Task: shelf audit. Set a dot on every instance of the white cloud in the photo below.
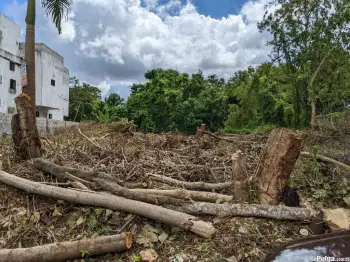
(119, 40)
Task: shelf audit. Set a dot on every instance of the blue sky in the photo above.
(206, 7)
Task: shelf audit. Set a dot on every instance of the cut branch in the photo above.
(248, 210)
(103, 180)
(187, 194)
(189, 185)
(112, 202)
(326, 159)
(68, 250)
(239, 176)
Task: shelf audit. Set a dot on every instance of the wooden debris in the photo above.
(190, 195)
(68, 250)
(326, 159)
(248, 210)
(277, 163)
(190, 185)
(239, 176)
(103, 180)
(112, 202)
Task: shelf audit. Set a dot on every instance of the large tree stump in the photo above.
(276, 164)
(25, 133)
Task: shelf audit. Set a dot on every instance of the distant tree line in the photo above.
(309, 74)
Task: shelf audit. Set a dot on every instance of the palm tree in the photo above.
(57, 9)
(25, 132)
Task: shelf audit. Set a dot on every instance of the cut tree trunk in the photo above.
(26, 137)
(276, 164)
(68, 250)
(161, 214)
(239, 177)
(104, 181)
(189, 185)
(248, 210)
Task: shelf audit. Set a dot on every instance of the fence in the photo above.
(44, 125)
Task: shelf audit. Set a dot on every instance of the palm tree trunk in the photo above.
(30, 52)
(24, 129)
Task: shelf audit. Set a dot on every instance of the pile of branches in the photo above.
(169, 178)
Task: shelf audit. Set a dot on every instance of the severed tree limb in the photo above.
(103, 181)
(187, 194)
(326, 159)
(68, 250)
(248, 210)
(88, 139)
(189, 185)
(112, 202)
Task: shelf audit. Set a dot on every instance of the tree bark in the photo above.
(190, 185)
(247, 210)
(68, 250)
(313, 113)
(29, 56)
(112, 202)
(187, 194)
(104, 181)
(239, 177)
(276, 164)
(26, 138)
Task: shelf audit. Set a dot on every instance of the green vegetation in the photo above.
(308, 74)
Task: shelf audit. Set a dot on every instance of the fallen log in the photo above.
(326, 159)
(276, 164)
(112, 202)
(187, 194)
(248, 210)
(68, 250)
(189, 185)
(104, 181)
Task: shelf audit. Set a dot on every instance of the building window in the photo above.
(12, 66)
(37, 114)
(50, 116)
(53, 82)
(12, 89)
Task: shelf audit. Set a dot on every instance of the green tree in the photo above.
(114, 100)
(307, 35)
(83, 100)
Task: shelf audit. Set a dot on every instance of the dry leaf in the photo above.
(337, 218)
(149, 255)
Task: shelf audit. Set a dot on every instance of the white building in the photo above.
(52, 77)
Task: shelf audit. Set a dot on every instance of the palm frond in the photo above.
(58, 10)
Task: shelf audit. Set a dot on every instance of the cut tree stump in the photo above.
(68, 250)
(239, 177)
(276, 164)
(25, 136)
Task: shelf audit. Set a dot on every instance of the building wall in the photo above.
(9, 41)
(44, 125)
(50, 100)
(10, 35)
